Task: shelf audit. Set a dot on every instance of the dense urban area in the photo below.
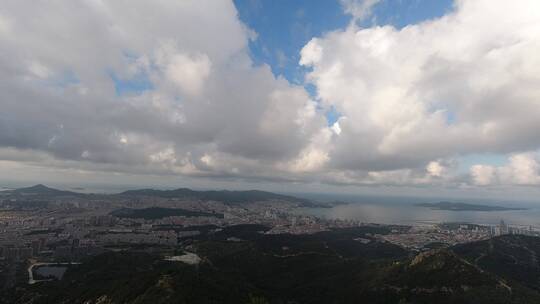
(41, 225)
(46, 232)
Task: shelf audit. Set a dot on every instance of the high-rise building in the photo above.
(503, 227)
(36, 247)
(25, 253)
(12, 253)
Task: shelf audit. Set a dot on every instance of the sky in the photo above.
(394, 97)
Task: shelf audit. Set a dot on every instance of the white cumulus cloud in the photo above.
(463, 83)
(522, 169)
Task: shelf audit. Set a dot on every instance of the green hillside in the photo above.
(329, 267)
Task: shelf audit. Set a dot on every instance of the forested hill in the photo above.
(327, 267)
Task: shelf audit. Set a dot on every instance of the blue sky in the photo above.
(283, 27)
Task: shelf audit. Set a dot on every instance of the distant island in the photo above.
(451, 206)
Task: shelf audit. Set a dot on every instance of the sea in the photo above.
(403, 211)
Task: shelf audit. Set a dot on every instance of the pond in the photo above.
(48, 271)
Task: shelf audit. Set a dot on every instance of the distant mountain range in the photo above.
(223, 196)
(41, 190)
(451, 206)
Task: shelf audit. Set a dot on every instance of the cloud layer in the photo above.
(99, 87)
(464, 83)
(197, 105)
